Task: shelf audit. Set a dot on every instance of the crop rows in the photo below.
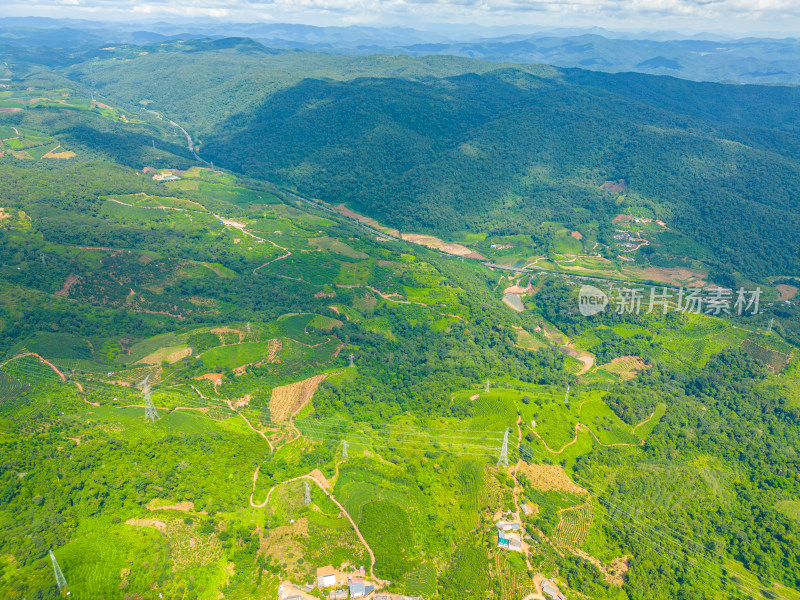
(573, 526)
(422, 581)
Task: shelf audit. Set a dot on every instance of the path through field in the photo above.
(57, 372)
(321, 486)
(581, 427)
(246, 420)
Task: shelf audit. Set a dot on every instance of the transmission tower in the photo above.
(503, 460)
(248, 328)
(566, 396)
(771, 323)
(486, 389)
(344, 451)
(306, 493)
(352, 358)
(61, 582)
(42, 258)
(150, 412)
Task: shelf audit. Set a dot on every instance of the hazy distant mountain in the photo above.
(708, 57)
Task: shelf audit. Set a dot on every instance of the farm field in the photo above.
(210, 388)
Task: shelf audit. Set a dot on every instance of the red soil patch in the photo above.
(215, 377)
(366, 220)
(615, 187)
(68, 283)
(435, 243)
(673, 275)
(787, 291)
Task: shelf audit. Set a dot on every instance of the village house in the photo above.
(326, 577)
(550, 588)
(357, 589)
(508, 536)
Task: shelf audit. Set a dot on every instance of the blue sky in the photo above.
(743, 17)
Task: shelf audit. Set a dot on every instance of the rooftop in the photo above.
(325, 571)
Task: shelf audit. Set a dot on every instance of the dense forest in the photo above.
(184, 346)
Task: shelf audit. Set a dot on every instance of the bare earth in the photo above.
(672, 275)
(626, 366)
(274, 350)
(184, 506)
(620, 185)
(155, 523)
(430, 241)
(787, 291)
(68, 283)
(64, 154)
(171, 355)
(288, 400)
(546, 478)
(366, 220)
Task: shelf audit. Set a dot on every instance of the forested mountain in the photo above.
(698, 57)
(498, 151)
(443, 144)
(217, 381)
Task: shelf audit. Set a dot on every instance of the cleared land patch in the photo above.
(172, 355)
(626, 367)
(787, 291)
(790, 508)
(435, 243)
(550, 478)
(288, 400)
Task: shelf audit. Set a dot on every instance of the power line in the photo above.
(667, 538)
(150, 412)
(61, 581)
(503, 460)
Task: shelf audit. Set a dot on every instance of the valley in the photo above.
(218, 380)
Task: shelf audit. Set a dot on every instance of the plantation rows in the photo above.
(573, 526)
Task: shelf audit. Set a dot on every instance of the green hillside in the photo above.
(212, 386)
(450, 145)
(503, 151)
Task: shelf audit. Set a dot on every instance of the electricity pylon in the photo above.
(486, 389)
(150, 412)
(503, 460)
(351, 358)
(566, 396)
(306, 493)
(771, 323)
(344, 451)
(61, 582)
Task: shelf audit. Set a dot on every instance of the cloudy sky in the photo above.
(747, 17)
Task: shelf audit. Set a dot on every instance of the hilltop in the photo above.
(212, 383)
(459, 147)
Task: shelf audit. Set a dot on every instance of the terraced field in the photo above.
(421, 581)
(573, 526)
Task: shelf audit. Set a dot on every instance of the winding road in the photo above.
(330, 497)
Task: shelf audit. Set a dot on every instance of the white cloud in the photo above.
(744, 15)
